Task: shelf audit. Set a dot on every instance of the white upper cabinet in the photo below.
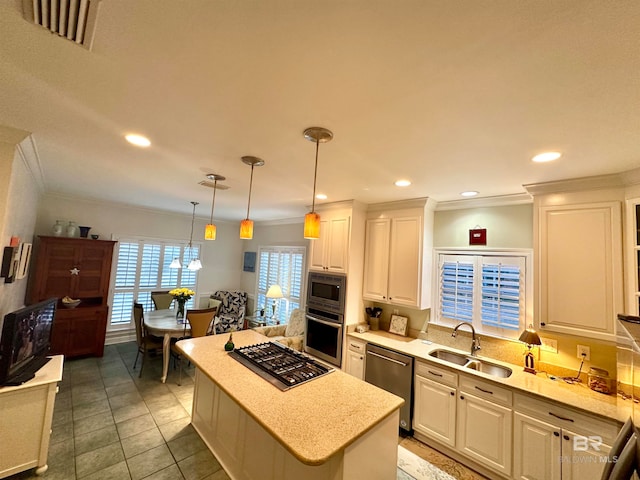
(578, 246)
(398, 253)
(330, 252)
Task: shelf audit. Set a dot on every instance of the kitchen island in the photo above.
(333, 427)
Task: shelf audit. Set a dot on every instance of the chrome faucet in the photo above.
(475, 342)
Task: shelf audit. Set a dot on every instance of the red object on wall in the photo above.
(478, 236)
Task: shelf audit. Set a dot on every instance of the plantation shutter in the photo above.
(142, 266)
(456, 287)
(502, 292)
(283, 266)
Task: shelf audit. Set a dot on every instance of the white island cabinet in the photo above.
(26, 413)
(326, 428)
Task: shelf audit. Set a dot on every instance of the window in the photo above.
(142, 266)
(490, 290)
(283, 266)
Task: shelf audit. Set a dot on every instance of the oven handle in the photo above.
(331, 324)
(388, 359)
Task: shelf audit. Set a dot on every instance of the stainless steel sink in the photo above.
(451, 357)
(472, 363)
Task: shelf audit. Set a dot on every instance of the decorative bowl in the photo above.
(71, 304)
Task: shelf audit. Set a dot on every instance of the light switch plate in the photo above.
(549, 345)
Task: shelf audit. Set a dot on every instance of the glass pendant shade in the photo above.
(246, 225)
(175, 263)
(246, 229)
(210, 232)
(317, 135)
(312, 226)
(195, 264)
(210, 229)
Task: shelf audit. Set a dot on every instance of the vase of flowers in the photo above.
(181, 295)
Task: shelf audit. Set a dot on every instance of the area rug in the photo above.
(412, 467)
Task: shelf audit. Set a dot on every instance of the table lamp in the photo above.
(531, 338)
(274, 292)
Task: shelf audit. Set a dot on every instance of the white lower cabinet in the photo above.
(355, 358)
(552, 442)
(471, 416)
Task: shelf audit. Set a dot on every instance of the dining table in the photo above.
(163, 323)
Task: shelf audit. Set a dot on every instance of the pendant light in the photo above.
(210, 229)
(246, 226)
(194, 264)
(312, 219)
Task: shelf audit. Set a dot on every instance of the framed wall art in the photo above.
(398, 325)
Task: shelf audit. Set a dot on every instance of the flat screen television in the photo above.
(25, 341)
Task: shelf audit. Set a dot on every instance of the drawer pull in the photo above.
(485, 391)
(434, 373)
(561, 418)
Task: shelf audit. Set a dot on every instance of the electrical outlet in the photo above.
(584, 352)
(549, 345)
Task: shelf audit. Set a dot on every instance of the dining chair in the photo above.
(146, 342)
(161, 299)
(200, 323)
(621, 443)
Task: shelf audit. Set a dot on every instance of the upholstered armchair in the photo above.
(230, 310)
(290, 334)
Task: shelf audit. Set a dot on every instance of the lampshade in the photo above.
(274, 292)
(210, 229)
(246, 225)
(175, 263)
(246, 229)
(312, 225)
(195, 264)
(530, 337)
(312, 219)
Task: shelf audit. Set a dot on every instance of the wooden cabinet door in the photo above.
(355, 364)
(60, 334)
(338, 245)
(579, 285)
(376, 260)
(318, 247)
(435, 410)
(585, 463)
(93, 259)
(536, 449)
(79, 331)
(405, 261)
(54, 276)
(484, 432)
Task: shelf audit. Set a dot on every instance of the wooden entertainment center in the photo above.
(81, 269)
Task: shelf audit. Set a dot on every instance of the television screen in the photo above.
(25, 341)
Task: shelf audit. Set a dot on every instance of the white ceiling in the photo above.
(454, 95)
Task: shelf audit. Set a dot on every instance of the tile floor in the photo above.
(108, 424)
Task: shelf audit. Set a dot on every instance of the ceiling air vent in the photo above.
(71, 19)
(204, 183)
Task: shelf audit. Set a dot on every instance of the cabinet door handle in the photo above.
(485, 391)
(556, 434)
(561, 418)
(452, 393)
(566, 437)
(542, 324)
(434, 373)
(461, 397)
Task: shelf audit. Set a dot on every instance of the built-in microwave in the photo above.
(326, 291)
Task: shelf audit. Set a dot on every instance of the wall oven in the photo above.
(323, 336)
(326, 292)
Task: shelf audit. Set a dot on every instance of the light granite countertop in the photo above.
(570, 395)
(314, 420)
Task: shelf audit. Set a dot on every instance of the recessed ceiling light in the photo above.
(321, 196)
(470, 193)
(546, 157)
(137, 140)
(402, 183)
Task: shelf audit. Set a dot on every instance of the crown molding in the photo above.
(497, 201)
(599, 182)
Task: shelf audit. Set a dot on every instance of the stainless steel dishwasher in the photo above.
(393, 372)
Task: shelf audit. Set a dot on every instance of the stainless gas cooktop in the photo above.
(281, 366)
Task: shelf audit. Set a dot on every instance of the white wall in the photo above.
(221, 258)
(507, 226)
(19, 195)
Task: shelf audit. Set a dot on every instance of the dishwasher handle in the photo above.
(388, 359)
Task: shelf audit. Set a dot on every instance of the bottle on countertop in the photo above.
(228, 347)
